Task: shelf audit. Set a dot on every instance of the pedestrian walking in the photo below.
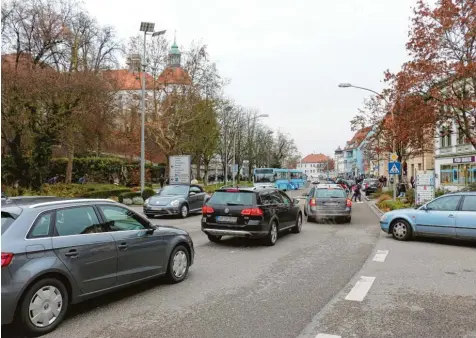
(412, 182)
(161, 181)
(357, 193)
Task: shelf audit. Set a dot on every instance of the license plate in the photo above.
(226, 219)
(156, 208)
(332, 204)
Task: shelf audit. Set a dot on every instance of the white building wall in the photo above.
(455, 164)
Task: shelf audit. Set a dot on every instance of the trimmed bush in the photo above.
(105, 193)
(148, 192)
(137, 201)
(128, 196)
(388, 205)
(77, 190)
(98, 169)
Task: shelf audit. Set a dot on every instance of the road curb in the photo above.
(374, 207)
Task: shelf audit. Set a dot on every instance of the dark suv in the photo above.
(56, 252)
(250, 213)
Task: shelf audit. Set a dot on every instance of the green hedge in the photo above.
(98, 169)
(130, 195)
(148, 192)
(105, 193)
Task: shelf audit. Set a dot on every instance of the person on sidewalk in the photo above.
(412, 182)
(357, 193)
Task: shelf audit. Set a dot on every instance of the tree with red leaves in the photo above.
(443, 67)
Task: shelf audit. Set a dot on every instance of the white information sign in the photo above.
(180, 169)
(425, 186)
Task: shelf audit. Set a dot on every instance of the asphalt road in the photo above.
(239, 288)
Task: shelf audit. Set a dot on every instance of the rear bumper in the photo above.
(9, 304)
(235, 233)
(322, 214)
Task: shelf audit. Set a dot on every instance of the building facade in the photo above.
(339, 161)
(455, 159)
(314, 165)
(354, 160)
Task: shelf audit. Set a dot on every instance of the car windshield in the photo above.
(330, 193)
(232, 198)
(174, 190)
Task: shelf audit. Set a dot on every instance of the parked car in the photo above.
(370, 185)
(451, 215)
(328, 201)
(64, 251)
(175, 199)
(250, 213)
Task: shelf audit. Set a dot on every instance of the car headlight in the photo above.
(175, 203)
(147, 201)
(383, 218)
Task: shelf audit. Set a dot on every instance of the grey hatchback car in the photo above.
(61, 251)
(328, 201)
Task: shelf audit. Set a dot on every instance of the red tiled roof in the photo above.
(175, 75)
(358, 138)
(126, 80)
(315, 158)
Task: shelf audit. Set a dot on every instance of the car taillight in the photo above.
(6, 259)
(207, 210)
(252, 212)
(313, 202)
(349, 203)
(232, 190)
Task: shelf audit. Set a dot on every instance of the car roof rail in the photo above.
(77, 200)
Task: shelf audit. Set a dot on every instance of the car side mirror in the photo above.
(296, 201)
(150, 231)
(424, 208)
(191, 193)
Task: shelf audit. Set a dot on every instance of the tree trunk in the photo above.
(205, 171)
(69, 166)
(199, 162)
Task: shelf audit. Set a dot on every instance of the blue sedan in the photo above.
(451, 215)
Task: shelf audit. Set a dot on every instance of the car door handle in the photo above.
(71, 253)
(122, 246)
(451, 215)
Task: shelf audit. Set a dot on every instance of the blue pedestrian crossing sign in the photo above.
(394, 168)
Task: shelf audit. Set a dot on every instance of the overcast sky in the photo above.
(284, 57)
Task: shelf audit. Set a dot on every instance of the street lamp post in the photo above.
(348, 85)
(234, 144)
(146, 27)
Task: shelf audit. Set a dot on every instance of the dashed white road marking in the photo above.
(325, 335)
(380, 256)
(360, 289)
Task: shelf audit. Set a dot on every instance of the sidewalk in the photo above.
(417, 289)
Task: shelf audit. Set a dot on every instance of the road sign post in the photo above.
(394, 168)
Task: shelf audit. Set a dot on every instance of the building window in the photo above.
(445, 137)
(461, 137)
(460, 174)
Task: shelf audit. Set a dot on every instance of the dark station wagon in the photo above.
(250, 213)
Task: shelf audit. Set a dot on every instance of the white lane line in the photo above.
(360, 289)
(325, 335)
(380, 256)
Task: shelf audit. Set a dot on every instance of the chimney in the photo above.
(133, 61)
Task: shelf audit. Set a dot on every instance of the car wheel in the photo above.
(184, 211)
(272, 236)
(43, 306)
(214, 239)
(348, 219)
(298, 227)
(401, 230)
(178, 266)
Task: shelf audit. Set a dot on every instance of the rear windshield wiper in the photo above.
(231, 203)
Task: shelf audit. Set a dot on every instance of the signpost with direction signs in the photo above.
(425, 186)
(180, 169)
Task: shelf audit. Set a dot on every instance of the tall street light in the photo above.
(234, 143)
(227, 109)
(147, 28)
(348, 85)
